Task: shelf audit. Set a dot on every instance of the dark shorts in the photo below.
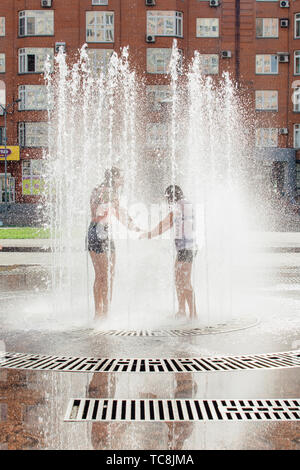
(186, 256)
(96, 244)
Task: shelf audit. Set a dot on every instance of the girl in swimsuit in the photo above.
(182, 218)
(104, 203)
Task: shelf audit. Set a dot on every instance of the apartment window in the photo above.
(157, 136)
(266, 100)
(99, 2)
(164, 23)
(266, 137)
(2, 135)
(2, 63)
(32, 60)
(267, 27)
(157, 95)
(297, 136)
(207, 27)
(296, 100)
(209, 64)
(297, 178)
(100, 26)
(99, 59)
(297, 25)
(33, 97)
(297, 63)
(266, 64)
(32, 177)
(2, 25)
(36, 23)
(158, 60)
(33, 134)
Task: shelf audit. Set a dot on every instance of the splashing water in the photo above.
(99, 121)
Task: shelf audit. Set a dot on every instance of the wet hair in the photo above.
(174, 193)
(111, 175)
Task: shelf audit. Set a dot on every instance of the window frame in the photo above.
(24, 16)
(264, 72)
(264, 109)
(270, 129)
(23, 62)
(263, 28)
(296, 21)
(177, 17)
(100, 27)
(32, 176)
(208, 36)
(22, 134)
(294, 136)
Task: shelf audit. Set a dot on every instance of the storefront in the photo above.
(12, 154)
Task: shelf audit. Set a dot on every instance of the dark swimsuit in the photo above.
(102, 243)
(96, 244)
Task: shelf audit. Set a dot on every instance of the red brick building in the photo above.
(257, 41)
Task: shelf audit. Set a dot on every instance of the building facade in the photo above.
(257, 41)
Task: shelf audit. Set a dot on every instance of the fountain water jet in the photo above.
(96, 123)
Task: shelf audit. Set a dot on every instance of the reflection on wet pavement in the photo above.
(33, 403)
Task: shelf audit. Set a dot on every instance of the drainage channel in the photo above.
(149, 410)
(280, 360)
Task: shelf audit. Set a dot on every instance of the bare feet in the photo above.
(180, 314)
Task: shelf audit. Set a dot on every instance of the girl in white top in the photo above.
(182, 218)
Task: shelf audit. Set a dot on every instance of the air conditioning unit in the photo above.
(226, 54)
(284, 4)
(214, 3)
(59, 45)
(283, 131)
(150, 3)
(283, 57)
(150, 38)
(46, 3)
(284, 22)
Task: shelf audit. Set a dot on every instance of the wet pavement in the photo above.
(33, 403)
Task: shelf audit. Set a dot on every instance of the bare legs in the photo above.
(184, 289)
(104, 277)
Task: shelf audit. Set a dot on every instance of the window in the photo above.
(157, 136)
(207, 27)
(32, 60)
(2, 25)
(2, 135)
(33, 134)
(297, 63)
(100, 26)
(297, 179)
(266, 100)
(157, 95)
(296, 100)
(32, 177)
(158, 60)
(36, 23)
(266, 63)
(209, 63)
(33, 97)
(99, 2)
(297, 136)
(164, 23)
(2, 63)
(297, 25)
(266, 137)
(267, 27)
(99, 59)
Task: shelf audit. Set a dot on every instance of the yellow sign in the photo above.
(12, 153)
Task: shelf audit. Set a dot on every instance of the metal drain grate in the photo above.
(92, 409)
(201, 364)
(232, 325)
